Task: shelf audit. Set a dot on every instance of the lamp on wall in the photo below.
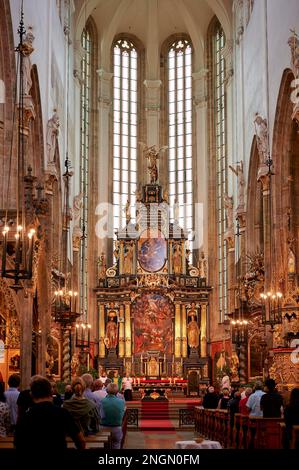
(18, 239)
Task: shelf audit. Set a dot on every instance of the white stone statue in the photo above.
(238, 171)
(77, 207)
(228, 204)
(52, 134)
(293, 42)
(261, 130)
(202, 266)
(27, 50)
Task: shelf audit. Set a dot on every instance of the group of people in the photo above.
(263, 400)
(39, 417)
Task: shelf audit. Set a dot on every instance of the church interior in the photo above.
(149, 155)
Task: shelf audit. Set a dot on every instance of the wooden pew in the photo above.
(295, 438)
(235, 432)
(264, 433)
(89, 445)
(243, 434)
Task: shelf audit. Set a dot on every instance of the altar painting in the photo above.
(153, 324)
(152, 252)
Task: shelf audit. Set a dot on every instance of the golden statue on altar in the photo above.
(193, 333)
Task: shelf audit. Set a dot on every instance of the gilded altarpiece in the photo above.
(152, 303)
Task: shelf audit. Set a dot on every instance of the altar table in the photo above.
(205, 444)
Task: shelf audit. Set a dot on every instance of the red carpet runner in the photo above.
(155, 415)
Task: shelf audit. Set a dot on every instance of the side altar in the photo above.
(152, 303)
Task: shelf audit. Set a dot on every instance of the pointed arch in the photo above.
(285, 155)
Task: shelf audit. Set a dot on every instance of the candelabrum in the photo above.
(83, 335)
(65, 306)
(271, 308)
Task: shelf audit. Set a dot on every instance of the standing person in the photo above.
(44, 427)
(88, 381)
(103, 377)
(210, 400)
(84, 411)
(117, 380)
(254, 401)
(5, 422)
(291, 416)
(99, 390)
(223, 402)
(68, 392)
(271, 402)
(127, 384)
(112, 413)
(242, 405)
(12, 395)
(57, 398)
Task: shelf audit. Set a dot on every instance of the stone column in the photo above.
(128, 333)
(203, 330)
(264, 178)
(102, 330)
(121, 342)
(200, 192)
(152, 110)
(104, 186)
(177, 329)
(26, 301)
(184, 331)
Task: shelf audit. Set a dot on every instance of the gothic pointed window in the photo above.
(85, 94)
(219, 101)
(125, 72)
(180, 132)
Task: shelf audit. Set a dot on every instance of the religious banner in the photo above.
(153, 324)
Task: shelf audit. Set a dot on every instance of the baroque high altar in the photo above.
(152, 303)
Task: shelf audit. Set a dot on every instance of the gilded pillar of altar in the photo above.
(184, 331)
(121, 343)
(128, 333)
(177, 329)
(203, 331)
(102, 330)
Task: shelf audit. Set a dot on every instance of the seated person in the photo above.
(44, 427)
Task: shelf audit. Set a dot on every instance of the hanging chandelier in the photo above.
(17, 238)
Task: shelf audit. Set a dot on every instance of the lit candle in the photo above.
(5, 231)
(89, 327)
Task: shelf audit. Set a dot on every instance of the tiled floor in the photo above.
(155, 439)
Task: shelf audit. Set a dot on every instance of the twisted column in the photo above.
(66, 356)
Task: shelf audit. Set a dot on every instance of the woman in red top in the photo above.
(242, 405)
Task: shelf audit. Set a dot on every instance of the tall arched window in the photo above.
(219, 98)
(86, 43)
(180, 131)
(125, 69)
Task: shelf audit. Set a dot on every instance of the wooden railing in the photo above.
(245, 433)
